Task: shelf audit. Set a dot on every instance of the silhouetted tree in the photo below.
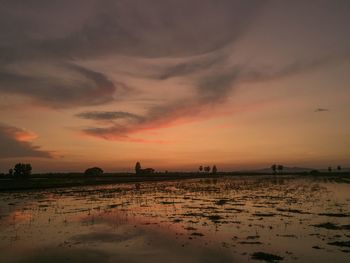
(138, 168)
(214, 170)
(274, 168)
(329, 169)
(11, 172)
(200, 168)
(22, 170)
(207, 169)
(339, 168)
(280, 168)
(94, 171)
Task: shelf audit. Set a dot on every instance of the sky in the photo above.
(174, 84)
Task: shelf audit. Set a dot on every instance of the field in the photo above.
(271, 218)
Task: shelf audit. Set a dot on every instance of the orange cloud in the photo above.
(16, 142)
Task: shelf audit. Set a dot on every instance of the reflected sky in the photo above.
(209, 220)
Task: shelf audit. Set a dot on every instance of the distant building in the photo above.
(139, 170)
(147, 171)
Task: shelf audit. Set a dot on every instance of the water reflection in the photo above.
(211, 220)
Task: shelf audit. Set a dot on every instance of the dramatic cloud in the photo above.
(74, 86)
(74, 53)
(14, 143)
(40, 39)
(160, 116)
(211, 89)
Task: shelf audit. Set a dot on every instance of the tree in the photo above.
(329, 169)
(280, 168)
(274, 168)
(214, 169)
(11, 172)
(207, 169)
(339, 168)
(201, 168)
(94, 171)
(138, 168)
(22, 170)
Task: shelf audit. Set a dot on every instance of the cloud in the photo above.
(15, 143)
(191, 65)
(156, 28)
(108, 115)
(158, 116)
(62, 63)
(62, 85)
(92, 29)
(321, 110)
(212, 88)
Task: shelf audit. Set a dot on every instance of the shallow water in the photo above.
(209, 220)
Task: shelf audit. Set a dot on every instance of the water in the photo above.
(209, 220)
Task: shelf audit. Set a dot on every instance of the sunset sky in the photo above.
(174, 84)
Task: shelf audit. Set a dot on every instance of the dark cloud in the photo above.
(74, 86)
(321, 110)
(63, 32)
(158, 116)
(291, 67)
(192, 65)
(108, 115)
(215, 88)
(155, 28)
(13, 144)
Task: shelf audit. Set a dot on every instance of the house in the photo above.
(147, 171)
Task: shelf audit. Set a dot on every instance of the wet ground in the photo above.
(244, 219)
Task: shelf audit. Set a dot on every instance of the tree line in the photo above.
(207, 169)
(24, 170)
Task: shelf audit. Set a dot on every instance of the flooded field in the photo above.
(243, 219)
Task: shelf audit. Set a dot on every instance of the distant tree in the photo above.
(274, 168)
(329, 169)
(280, 168)
(11, 172)
(94, 171)
(22, 170)
(214, 170)
(339, 168)
(201, 168)
(207, 169)
(138, 168)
